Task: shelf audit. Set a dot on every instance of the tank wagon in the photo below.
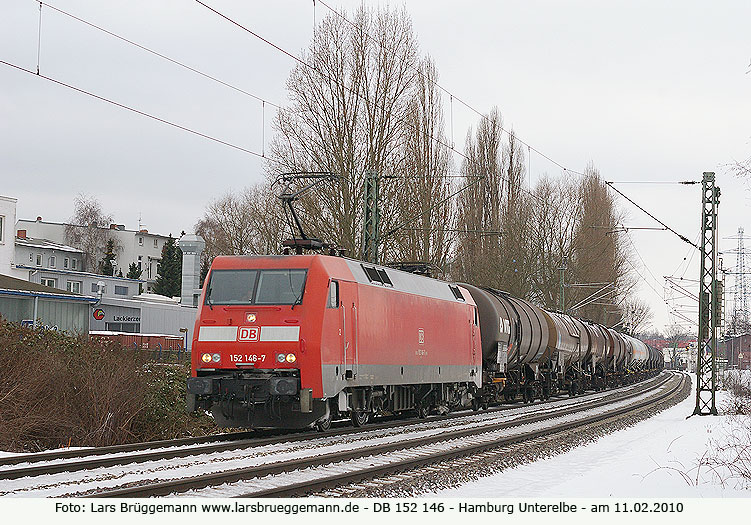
(535, 353)
(296, 341)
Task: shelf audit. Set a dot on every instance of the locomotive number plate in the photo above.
(247, 358)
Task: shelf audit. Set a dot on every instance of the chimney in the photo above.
(144, 230)
(191, 246)
(39, 218)
(21, 234)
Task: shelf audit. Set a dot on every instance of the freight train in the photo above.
(297, 341)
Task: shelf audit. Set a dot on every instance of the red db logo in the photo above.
(247, 333)
(98, 314)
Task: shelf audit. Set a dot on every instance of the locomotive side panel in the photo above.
(397, 333)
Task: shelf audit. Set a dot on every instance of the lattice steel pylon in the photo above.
(741, 291)
(709, 316)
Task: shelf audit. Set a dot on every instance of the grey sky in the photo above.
(645, 90)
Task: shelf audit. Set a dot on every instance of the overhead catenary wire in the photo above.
(155, 53)
(134, 110)
(39, 38)
(453, 96)
(360, 95)
(213, 138)
(681, 237)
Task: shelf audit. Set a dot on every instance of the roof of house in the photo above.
(12, 286)
(11, 283)
(45, 243)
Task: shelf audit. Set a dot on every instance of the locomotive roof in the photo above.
(396, 279)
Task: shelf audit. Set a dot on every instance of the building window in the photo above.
(66, 262)
(95, 288)
(156, 243)
(140, 241)
(2, 230)
(140, 258)
(39, 259)
(52, 261)
(48, 282)
(74, 263)
(31, 257)
(74, 286)
(121, 290)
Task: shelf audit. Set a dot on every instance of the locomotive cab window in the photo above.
(231, 287)
(280, 286)
(333, 301)
(241, 287)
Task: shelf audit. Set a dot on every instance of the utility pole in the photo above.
(370, 236)
(561, 301)
(709, 301)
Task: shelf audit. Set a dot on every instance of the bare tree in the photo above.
(348, 116)
(480, 205)
(424, 212)
(555, 213)
(598, 253)
(638, 313)
(88, 230)
(242, 223)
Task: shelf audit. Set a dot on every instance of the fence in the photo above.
(158, 347)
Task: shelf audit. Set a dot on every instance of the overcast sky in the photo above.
(645, 90)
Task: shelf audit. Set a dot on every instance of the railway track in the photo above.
(280, 460)
(281, 456)
(14, 467)
(470, 446)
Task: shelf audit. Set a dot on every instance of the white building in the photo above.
(140, 247)
(54, 291)
(7, 237)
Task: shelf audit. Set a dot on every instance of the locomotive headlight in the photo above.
(291, 358)
(216, 358)
(206, 358)
(280, 358)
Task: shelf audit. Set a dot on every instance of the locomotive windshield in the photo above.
(228, 287)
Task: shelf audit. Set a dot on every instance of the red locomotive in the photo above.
(289, 341)
(295, 341)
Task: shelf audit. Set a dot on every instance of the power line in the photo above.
(453, 97)
(134, 110)
(681, 237)
(156, 53)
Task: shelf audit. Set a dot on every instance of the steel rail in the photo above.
(370, 473)
(204, 445)
(201, 481)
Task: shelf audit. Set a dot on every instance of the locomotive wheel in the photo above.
(359, 419)
(423, 411)
(324, 424)
(476, 404)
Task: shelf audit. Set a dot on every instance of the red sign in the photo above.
(98, 314)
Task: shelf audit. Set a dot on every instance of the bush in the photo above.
(59, 390)
(738, 385)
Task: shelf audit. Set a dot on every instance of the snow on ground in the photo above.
(658, 457)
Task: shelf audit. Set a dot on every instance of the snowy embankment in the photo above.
(664, 456)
